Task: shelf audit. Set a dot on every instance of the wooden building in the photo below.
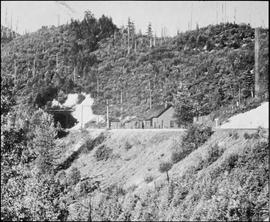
(115, 124)
(161, 117)
(136, 123)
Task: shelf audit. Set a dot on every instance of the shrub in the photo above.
(247, 136)
(148, 179)
(214, 153)
(178, 156)
(195, 136)
(235, 135)
(75, 176)
(132, 188)
(260, 132)
(103, 153)
(231, 161)
(165, 167)
(128, 146)
(90, 144)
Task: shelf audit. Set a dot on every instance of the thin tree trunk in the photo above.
(89, 219)
(168, 179)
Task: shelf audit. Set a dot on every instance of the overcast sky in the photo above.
(174, 15)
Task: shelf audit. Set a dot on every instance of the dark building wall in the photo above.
(165, 120)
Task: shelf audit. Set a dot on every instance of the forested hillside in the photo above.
(210, 176)
(198, 71)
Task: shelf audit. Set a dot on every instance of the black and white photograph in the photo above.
(135, 111)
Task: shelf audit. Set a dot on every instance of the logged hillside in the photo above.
(224, 179)
(199, 71)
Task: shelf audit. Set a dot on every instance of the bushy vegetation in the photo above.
(259, 134)
(92, 56)
(235, 189)
(128, 146)
(90, 143)
(74, 176)
(165, 167)
(103, 153)
(148, 179)
(195, 136)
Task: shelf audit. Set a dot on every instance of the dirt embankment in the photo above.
(131, 160)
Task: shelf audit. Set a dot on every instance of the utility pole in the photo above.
(15, 72)
(191, 17)
(57, 62)
(6, 18)
(74, 74)
(239, 94)
(108, 122)
(17, 23)
(216, 13)
(34, 67)
(222, 15)
(58, 19)
(257, 74)
(150, 99)
(97, 85)
(234, 17)
(128, 34)
(121, 103)
(11, 23)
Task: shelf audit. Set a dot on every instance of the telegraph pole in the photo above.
(15, 72)
(74, 74)
(57, 62)
(234, 16)
(257, 74)
(128, 34)
(150, 99)
(216, 13)
(108, 122)
(121, 103)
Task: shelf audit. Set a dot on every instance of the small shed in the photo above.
(135, 123)
(165, 119)
(150, 114)
(115, 123)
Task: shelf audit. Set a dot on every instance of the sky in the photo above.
(174, 15)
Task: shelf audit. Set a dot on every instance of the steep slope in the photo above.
(202, 186)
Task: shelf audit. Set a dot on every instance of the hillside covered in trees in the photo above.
(210, 175)
(198, 71)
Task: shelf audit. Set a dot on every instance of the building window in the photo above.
(171, 123)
